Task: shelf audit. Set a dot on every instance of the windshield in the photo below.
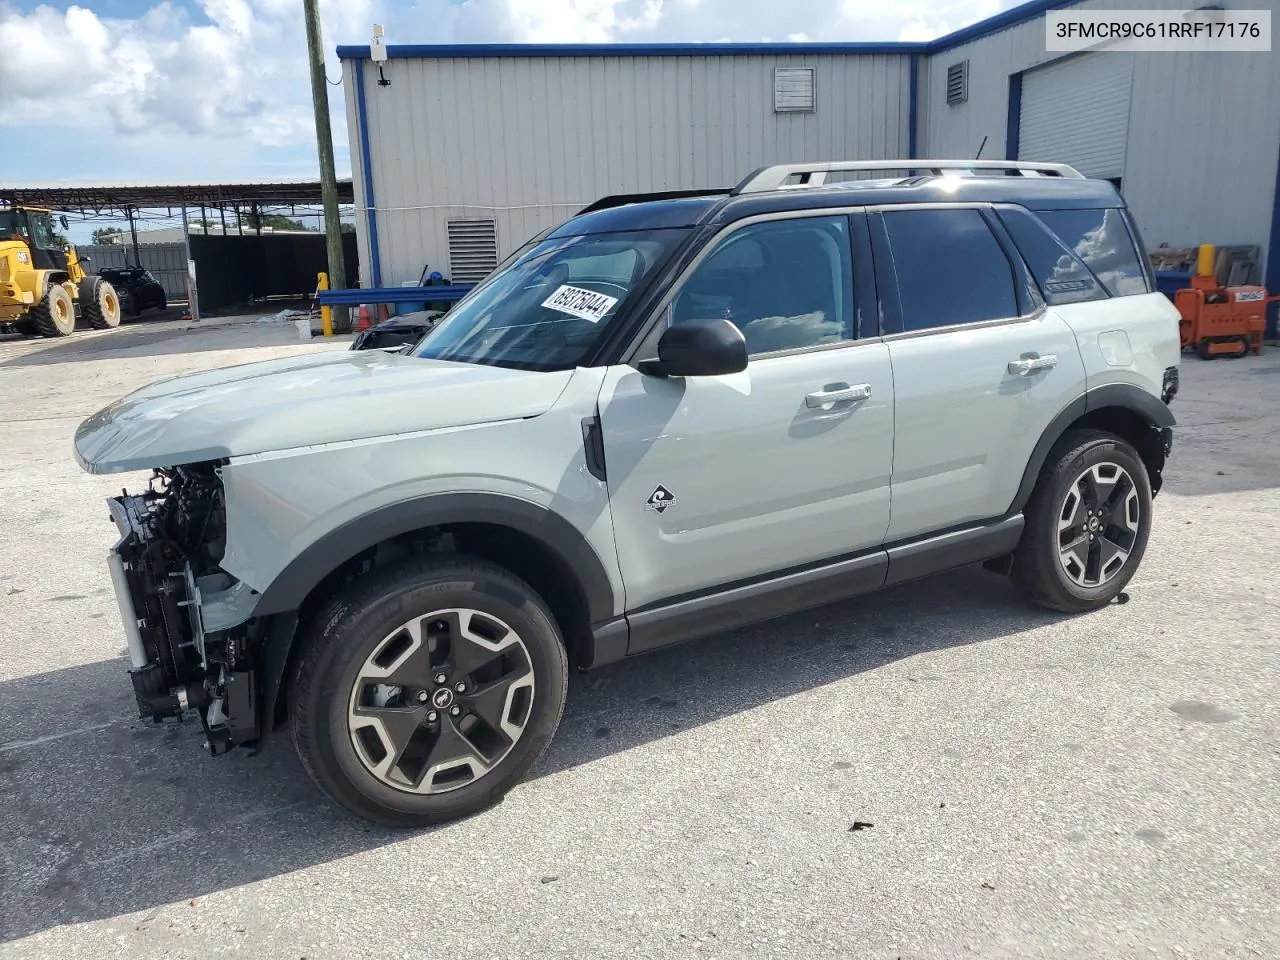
(549, 306)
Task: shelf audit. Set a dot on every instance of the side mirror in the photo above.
(86, 259)
(65, 224)
(699, 348)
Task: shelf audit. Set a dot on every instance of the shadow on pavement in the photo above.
(101, 814)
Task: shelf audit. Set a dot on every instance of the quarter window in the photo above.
(950, 268)
(786, 284)
(1062, 276)
(1101, 239)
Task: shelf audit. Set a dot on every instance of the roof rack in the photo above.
(815, 174)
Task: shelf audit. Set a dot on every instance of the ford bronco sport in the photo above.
(662, 419)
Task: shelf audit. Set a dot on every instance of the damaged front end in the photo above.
(164, 569)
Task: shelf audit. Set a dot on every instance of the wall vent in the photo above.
(793, 89)
(473, 249)
(958, 82)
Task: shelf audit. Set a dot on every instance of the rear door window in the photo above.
(950, 268)
(1061, 275)
(1102, 240)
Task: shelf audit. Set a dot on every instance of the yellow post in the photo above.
(1204, 262)
(326, 312)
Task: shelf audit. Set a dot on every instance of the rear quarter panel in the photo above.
(1129, 340)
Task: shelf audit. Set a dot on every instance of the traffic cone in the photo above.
(363, 323)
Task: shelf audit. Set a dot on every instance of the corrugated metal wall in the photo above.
(529, 141)
(166, 261)
(1204, 129)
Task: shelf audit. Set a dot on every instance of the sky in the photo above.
(191, 90)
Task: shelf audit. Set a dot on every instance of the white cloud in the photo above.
(238, 72)
(234, 71)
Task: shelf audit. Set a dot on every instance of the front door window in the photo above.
(787, 284)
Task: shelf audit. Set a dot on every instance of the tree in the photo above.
(273, 221)
(107, 234)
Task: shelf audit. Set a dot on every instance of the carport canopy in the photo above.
(123, 198)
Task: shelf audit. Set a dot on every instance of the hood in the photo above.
(302, 401)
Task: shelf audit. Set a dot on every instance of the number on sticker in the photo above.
(577, 302)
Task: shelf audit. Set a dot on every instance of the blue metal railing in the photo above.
(357, 295)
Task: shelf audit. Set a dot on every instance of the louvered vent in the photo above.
(792, 89)
(473, 249)
(958, 82)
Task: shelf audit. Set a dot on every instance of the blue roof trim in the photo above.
(469, 50)
(983, 28)
(1001, 21)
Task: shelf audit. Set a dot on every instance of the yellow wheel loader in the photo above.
(43, 284)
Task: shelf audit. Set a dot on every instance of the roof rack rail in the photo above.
(815, 174)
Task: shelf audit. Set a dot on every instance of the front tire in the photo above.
(1087, 523)
(100, 303)
(377, 728)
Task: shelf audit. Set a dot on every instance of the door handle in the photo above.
(837, 393)
(1030, 363)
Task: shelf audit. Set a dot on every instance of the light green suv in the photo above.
(662, 419)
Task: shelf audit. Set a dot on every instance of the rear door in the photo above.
(980, 366)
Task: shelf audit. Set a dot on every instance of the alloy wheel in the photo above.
(1098, 524)
(441, 701)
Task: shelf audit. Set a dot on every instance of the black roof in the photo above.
(1036, 193)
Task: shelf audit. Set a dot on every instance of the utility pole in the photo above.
(133, 231)
(324, 141)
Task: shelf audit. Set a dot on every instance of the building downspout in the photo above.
(1273, 260)
(366, 165)
(913, 101)
(1013, 123)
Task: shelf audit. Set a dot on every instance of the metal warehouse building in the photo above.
(461, 153)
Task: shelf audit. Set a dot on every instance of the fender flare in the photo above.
(291, 586)
(1125, 395)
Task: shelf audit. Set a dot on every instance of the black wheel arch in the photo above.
(1120, 408)
(536, 543)
(554, 533)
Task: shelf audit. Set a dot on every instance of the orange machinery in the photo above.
(1221, 321)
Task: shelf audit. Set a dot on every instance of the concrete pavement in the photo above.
(1031, 785)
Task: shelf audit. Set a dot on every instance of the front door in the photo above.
(716, 480)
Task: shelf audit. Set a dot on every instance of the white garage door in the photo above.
(1076, 111)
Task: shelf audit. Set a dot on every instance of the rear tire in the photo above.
(55, 315)
(1087, 523)
(99, 303)
(381, 734)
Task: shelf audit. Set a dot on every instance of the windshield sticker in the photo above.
(578, 302)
